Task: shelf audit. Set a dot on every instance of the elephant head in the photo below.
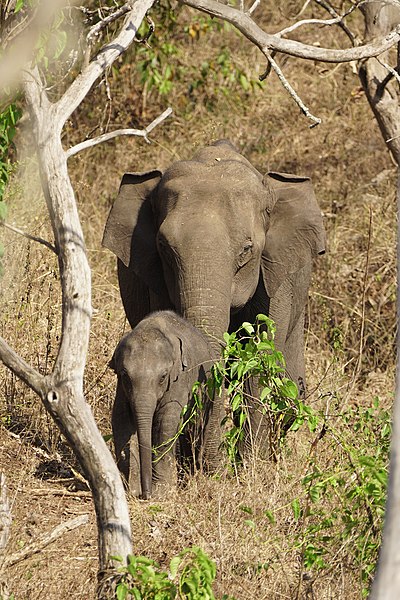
(214, 238)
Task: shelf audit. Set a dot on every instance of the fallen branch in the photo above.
(44, 540)
(113, 134)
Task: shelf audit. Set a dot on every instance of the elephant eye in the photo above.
(246, 252)
(163, 378)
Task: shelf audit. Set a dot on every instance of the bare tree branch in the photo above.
(113, 134)
(253, 7)
(105, 57)
(34, 238)
(28, 374)
(267, 42)
(328, 7)
(95, 30)
(288, 88)
(392, 71)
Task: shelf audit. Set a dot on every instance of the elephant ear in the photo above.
(130, 229)
(180, 362)
(296, 232)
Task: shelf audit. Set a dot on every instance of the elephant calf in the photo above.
(157, 364)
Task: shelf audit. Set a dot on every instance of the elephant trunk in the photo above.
(144, 422)
(205, 301)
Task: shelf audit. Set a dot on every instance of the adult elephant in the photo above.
(218, 242)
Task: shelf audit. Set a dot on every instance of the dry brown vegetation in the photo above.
(350, 326)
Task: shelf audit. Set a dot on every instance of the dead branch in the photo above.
(45, 539)
(28, 374)
(104, 59)
(328, 7)
(267, 42)
(119, 132)
(288, 88)
(28, 236)
(104, 22)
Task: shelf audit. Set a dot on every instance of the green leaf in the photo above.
(122, 590)
(18, 5)
(270, 516)
(289, 389)
(248, 327)
(296, 508)
(174, 565)
(266, 391)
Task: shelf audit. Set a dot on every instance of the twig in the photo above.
(77, 494)
(391, 70)
(34, 238)
(95, 30)
(288, 88)
(113, 134)
(327, 6)
(45, 539)
(253, 7)
(333, 21)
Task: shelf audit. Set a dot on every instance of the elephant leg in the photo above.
(287, 309)
(294, 354)
(125, 441)
(214, 412)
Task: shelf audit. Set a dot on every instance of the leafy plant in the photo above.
(250, 360)
(190, 577)
(343, 506)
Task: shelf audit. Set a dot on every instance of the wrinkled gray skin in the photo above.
(157, 364)
(218, 242)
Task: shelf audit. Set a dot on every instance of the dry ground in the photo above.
(350, 324)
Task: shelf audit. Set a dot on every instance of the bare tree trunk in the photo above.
(380, 85)
(383, 93)
(63, 390)
(386, 585)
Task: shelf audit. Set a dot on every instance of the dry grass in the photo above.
(351, 319)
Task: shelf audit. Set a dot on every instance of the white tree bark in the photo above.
(62, 390)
